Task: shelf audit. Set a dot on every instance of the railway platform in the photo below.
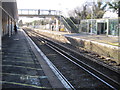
(105, 46)
(23, 66)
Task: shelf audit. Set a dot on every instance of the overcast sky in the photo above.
(53, 4)
(48, 4)
(63, 5)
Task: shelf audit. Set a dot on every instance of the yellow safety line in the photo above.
(16, 57)
(113, 44)
(20, 61)
(24, 75)
(22, 84)
(16, 54)
(20, 67)
(12, 52)
(19, 75)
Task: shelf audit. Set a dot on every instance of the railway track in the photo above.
(101, 76)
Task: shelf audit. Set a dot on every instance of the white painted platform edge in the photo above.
(54, 69)
(102, 44)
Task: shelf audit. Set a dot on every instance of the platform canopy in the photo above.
(10, 6)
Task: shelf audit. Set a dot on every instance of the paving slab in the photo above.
(20, 68)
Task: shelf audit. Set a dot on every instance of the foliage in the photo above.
(115, 6)
(81, 11)
(38, 22)
(99, 10)
(74, 20)
(20, 23)
(88, 16)
(85, 12)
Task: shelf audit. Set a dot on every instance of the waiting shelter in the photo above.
(100, 26)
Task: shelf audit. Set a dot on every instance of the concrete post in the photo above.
(11, 27)
(107, 32)
(57, 25)
(8, 26)
(87, 26)
(0, 43)
(96, 27)
(0, 24)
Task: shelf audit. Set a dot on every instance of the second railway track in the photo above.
(79, 70)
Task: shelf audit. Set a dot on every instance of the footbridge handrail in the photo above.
(66, 23)
(73, 22)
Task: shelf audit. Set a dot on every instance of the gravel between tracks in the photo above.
(77, 77)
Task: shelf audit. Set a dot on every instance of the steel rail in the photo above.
(61, 77)
(70, 58)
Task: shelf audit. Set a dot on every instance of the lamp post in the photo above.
(0, 24)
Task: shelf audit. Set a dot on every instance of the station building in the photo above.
(8, 17)
(101, 26)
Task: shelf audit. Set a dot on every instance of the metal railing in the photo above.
(73, 26)
(69, 24)
(63, 20)
(73, 22)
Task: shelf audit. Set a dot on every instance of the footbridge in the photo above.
(42, 13)
(38, 13)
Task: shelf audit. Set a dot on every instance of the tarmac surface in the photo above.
(20, 67)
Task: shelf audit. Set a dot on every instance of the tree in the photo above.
(74, 20)
(81, 12)
(115, 6)
(20, 23)
(85, 12)
(99, 10)
(72, 13)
